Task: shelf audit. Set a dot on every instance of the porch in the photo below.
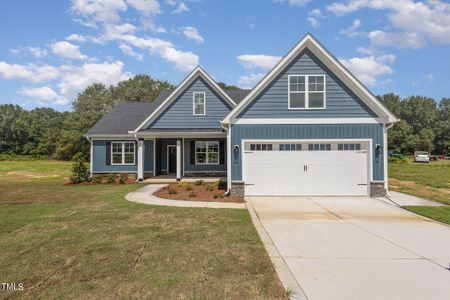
(171, 178)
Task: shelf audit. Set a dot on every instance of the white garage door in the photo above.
(305, 169)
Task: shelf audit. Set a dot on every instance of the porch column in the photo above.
(140, 160)
(178, 159)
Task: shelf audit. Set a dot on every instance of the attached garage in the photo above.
(306, 168)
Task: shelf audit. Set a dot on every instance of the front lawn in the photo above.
(438, 213)
(425, 180)
(88, 242)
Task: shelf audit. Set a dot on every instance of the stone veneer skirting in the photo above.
(205, 174)
(237, 189)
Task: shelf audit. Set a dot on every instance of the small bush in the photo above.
(192, 194)
(172, 191)
(183, 184)
(220, 184)
(97, 179)
(122, 178)
(188, 187)
(397, 160)
(215, 196)
(209, 187)
(199, 182)
(79, 171)
(111, 178)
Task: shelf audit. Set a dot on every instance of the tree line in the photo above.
(424, 124)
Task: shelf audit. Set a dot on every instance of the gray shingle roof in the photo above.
(127, 115)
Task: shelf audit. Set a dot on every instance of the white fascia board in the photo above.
(179, 134)
(198, 71)
(300, 121)
(331, 62)
(110, 136)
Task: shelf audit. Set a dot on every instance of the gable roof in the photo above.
(198, 72)
(309, 42)
(125, 116)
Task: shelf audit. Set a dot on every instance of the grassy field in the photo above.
(429, 181)
(439, 213)
(88, 242)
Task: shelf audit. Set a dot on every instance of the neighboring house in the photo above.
(309, 127)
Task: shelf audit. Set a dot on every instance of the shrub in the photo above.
(220, 184)
(183, 184)
(215, 196)
(209, 187)
(172, 191)
(397, 160)
(79, 171)
(188, 187)
(199, 182)
(192, 194)
(97, 179)
(111, 178)
(122, 178)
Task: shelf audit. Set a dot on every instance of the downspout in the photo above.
(227, 192)
(385, 142)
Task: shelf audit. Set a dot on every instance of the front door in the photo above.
(172, 159)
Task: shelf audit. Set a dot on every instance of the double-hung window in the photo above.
(122, 153)
(199, 100)
(306, 91)
(206, 152)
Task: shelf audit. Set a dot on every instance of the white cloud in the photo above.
(294, 2)
(99, 11)
(369, 68)
(249, 80)
(416, 22)
(191, 33)
(38, 52)
(30, 72)
(314, 16)
(145, 7)
(428, 77)
(352, 31)
(250, 61)
(76, 38)
(14, 71)
(67, 50)
(182, 7)
(171, 2)
(127, 50)
(44, 94)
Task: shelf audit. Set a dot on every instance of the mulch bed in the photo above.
(192, 192)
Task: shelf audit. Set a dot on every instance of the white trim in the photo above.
(385, 154)
(332, 63)
(178, 160)
(193, 103)
(306, 92)
(369, 153)
(207, 153)
(310, 121)
(123, 153)
(229, 159)
(167, 158)
(91, 157)
(197, 72)
(107, 137)
(140, 161)
(183, 162)
(154, 157)
(213, 134)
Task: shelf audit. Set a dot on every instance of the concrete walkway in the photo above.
(405, 199)
(145, 195)
(354, 248)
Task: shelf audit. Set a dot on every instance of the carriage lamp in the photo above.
(236, 153)
(378, 149)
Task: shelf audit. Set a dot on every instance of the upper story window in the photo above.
(199, 100)
(122, 153)
(306, 91)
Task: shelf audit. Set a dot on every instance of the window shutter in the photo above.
(222, 152)
(192, 153)
(108, 153)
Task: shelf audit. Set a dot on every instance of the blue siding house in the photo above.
(308, 128)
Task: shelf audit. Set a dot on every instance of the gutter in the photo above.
(226, 128)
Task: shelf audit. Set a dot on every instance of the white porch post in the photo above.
(140, 160)
(91, 167)
(178, 159)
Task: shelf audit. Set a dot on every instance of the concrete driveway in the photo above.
(356, 248)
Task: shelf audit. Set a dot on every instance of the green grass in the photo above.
(438, 213)
(89, 242)
(426, 180)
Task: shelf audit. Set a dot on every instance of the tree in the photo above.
(79, 170)
(443, 135)
(13, 128)
(227, 87)
(70, 143)
(139, 88)
(393, 102)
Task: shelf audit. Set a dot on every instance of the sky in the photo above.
(51, 50)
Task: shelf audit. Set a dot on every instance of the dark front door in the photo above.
(172, 159)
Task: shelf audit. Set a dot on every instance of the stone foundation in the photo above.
(205, 174)
(377, 189)
(237, 189)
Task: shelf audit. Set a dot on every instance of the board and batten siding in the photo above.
(100, 160)
(332, 131)
(341, 102)
(190, 166)
(180, 113)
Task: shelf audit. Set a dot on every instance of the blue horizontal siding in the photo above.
(192, 167)
(340, 101)
(180, 114)
(99, 160)
(338, 131)
(148, 155)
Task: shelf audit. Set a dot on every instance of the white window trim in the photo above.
(123, 154)
(204, 103)
(207, 156)
(307, 92)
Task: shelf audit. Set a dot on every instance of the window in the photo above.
(261, 147)
(349, 147)
(122, 153)
(206, 153)
(199, 103)
(290, 147)
(306, 91)
(319, 147)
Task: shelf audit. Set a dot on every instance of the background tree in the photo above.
(227, 87)
(139, 88)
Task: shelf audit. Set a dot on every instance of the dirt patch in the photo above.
(193, 192)
(422, 191)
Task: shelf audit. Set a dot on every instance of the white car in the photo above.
(421, 156)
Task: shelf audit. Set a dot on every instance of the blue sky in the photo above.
(51, 50)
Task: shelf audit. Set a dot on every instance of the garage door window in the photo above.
(290, 147)
(349, 147)
(319, 147)
(261, 147)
